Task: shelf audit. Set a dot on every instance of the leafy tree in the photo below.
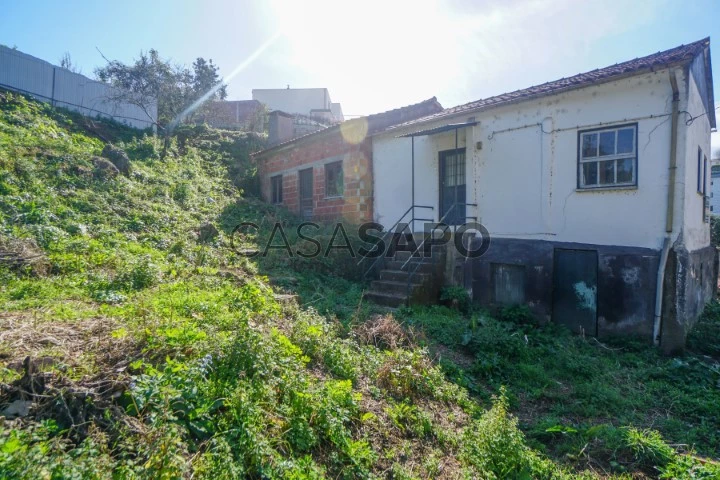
(175, 88)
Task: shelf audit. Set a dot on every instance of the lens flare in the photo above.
(232, 74)
(354, 131)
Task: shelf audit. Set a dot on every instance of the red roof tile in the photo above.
(674, 56)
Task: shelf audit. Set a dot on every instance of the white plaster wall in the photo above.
(696, 232)
(525, 181)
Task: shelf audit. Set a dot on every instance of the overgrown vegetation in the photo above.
(596, 405)
(138, 344)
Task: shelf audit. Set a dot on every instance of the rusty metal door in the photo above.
(306, 193)
(575, 290)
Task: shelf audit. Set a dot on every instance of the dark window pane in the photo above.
(276, 189)
(589, 173)
(625, 170)
(460, 173)
(607, 143)
(333, 179)
(699, 171)
(607, 172)
(589, 144)
(626, 140)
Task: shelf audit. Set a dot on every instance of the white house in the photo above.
(592, 189)
(715, 187)
(311, 102)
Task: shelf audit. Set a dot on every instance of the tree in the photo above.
(175, 88)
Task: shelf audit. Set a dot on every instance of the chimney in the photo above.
(280, 127)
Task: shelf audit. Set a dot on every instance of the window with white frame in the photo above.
(608, 157)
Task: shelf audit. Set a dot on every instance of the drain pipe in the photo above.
(670, 210)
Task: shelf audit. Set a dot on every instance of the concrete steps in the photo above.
(387, 299)
(392, 288)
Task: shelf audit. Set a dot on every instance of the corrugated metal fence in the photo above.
(63, 88)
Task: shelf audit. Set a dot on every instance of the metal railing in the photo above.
(411, 274)
(389, 232)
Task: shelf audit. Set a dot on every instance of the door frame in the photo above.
(311, 171)
(597, 286)
(442, 154)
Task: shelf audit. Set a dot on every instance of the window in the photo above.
(334, 179)
(699, 172)
(706, 199)
(276, 189)
(608, 157)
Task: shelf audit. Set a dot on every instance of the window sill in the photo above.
(606, 189)
(333, 197)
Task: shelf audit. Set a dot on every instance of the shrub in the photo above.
(408, 374)
(518, 314)
(704, 338)
(140, 274)
(456, 297)
(649, 447)
(495, 447)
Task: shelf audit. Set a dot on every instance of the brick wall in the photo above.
(355, 205)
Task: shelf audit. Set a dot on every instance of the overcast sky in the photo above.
(372, 55)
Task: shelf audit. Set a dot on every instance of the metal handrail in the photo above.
(390, 231)
(412, 273)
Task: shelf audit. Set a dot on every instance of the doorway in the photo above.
(452, 186)
(306, 193)
(575, 275)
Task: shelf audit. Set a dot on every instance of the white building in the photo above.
(311, 102)
(715, 186)
(592, 189)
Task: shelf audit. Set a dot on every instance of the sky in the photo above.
(372, 55)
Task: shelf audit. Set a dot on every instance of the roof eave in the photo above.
(483, 108)
(711, 92)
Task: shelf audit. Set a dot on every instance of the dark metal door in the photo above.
(306, 193)
(452, 186)
(575, 290)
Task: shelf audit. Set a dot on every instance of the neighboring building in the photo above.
(715, 187)
(310, 102)
(284, 126)
(327, 174)
(593, 189)
(248, 115)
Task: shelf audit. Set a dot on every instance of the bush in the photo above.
(704, 338)
(140, 274)
(649, 447)
(495, 447)
(456, 297)
(408, 374)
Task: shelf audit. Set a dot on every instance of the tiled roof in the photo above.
(674, 56)
(376, 122)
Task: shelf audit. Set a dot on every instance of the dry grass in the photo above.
(68, 343)
(23, 254)
(70, 371)
(384, 332)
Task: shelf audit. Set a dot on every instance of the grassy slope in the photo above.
(164, 357)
